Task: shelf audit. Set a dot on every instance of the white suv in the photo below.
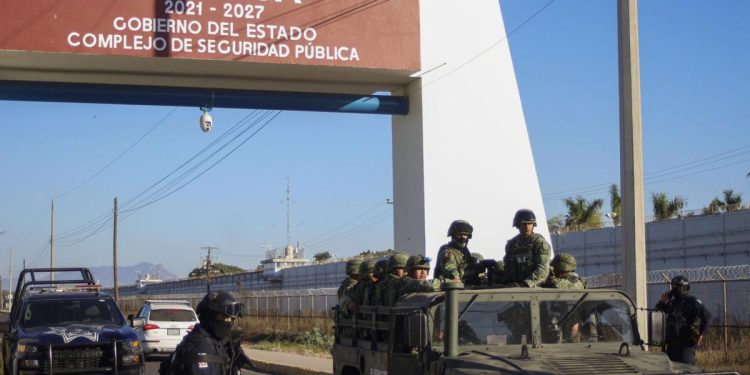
(167, 322)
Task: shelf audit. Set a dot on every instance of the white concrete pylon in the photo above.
(463, 151)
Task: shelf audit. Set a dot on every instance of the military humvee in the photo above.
(500, 331)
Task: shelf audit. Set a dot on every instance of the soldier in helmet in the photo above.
(209, 349)
(381, 273)
(563, 275)
(417, 267)
(390, 287)
(454, 256)
(527, 255)
(352, 276)
(687, 320)
(357, 296)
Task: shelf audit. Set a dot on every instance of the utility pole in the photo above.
(10, 276)
(631, 159)
(52, 243)
(288, 213)
(114, 253)
(208, 266)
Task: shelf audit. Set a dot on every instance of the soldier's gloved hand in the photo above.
(664, 297)
(528, 284)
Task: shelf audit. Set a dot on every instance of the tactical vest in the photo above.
(519, 257)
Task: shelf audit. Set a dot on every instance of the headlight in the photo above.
(26, 348)
(130, 353)
(130, 359)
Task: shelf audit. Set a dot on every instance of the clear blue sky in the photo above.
(694, 58)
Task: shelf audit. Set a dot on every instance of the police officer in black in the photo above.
(687, 320)
(208, 349)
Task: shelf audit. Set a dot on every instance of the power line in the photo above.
(155, 197)
(356, 229)
(493, 45)
(656, 177)
(379, 204)
(97, 173)
(99, 222)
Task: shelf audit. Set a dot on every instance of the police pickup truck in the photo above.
(67, 326)
(501, 331)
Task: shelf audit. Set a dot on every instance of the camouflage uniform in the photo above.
(389, 289)
(527, 260)
(453, 261)
(357, 294)
(373, 292)
(570, 281)
(563, 275)
(418, 286)
(352, 271)
(453, 257)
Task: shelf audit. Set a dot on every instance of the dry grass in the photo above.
(711, 355)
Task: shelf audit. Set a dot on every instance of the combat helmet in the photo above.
(219, 302)
(417, 262)
(352, 266)
(680, 284)
(460, 226)
(380, 269)
(367, 266)
(563, 262)
(397, 260)
(524, 216)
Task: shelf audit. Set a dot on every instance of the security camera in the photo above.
(206, 121)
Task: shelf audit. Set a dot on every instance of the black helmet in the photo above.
(524, 216)
(460, 226)
(220, 301)
(680, 283)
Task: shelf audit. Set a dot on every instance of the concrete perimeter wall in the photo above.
(690, 242)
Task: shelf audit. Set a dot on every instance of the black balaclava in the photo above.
(217, 328)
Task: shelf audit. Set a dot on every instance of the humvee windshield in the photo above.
(44, 313)
(487, 319)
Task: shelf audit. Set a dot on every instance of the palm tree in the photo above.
(665, 209)
(583, 214)
(732, 201)
(716, 206)
(615, 204)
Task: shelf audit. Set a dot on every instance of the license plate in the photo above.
(173, 331)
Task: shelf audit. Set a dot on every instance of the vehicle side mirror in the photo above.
(130, 317)
(137, 322)
(417, 330)
(4, 327)
(656, 328)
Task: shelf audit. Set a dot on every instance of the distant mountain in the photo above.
(129, 274)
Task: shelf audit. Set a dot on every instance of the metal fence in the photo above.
(284, 310)
(724, 290)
